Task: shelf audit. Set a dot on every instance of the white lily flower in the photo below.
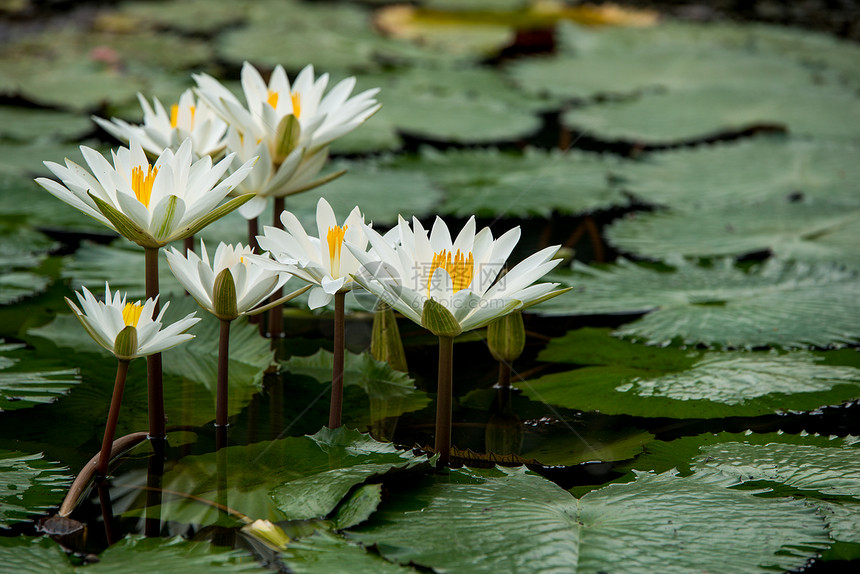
(322, 119)
(252, 283)
(321, 260)
(462, 275)
(106, 320)
(288, 126)
(151, 205)
(187, 119)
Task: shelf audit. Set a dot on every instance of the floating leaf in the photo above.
(652, 524)
(22, 199)
(661, 118)
(487, 183)
(569, 448)
(324, 553)
(776, 303)
(29, 485)
(172, 556)
(692, 180)
(122, 265)
(636, 380)
(196, 16)
(390, 393)
(33, 556)
(22, 389)
(817, 232)
(293, 478)
(359, 506)
(28, 124)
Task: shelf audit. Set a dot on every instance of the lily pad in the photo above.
(652, 524)
(389, 393)
(294, 478)
(190, 371)
(28, 124)
(22, 389)
(815, 232)
(626, 378)
(323, 553)
(29, 485)
(692, 180)
(663, 118)
(488, 182)
(23, 200)
(360, 505)
(195, 16)
(776, 303)
(122, 265)
(33, 556)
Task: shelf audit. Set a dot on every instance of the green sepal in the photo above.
(164, 230)
(439, 320)
(547, 297)
(213, 216)
(125, 344)
(385, 342)
(286, 137)
(224, 296)
(125, 226)
(506, 337)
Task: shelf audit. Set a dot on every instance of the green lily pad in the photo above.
(692, 180)
(360, 505)
(196, 16)
(626, 378)
(776, 303)
(488, 182)
(33, 556)
(29, 485)
(121, 264)
(389, 393)
(323, 553)
(661, 118)
(570, 449)
(21, 389)
(17, 159)
(28, 124)
(22, 199)
(652, 524)
(295, 478)
(190, 371)
(22, 247)
(626, 61)
(816, 232)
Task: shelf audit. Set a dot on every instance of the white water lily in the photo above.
(289, 126)
(150, 204)
(321, 260)
(106, 320)
(252, 282)
(461, 275)
(160, 130)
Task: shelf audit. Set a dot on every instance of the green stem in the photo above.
(504, 375)
(113, 417)
(276, 314)
(334, 414)
(223, 365)
(154, 380)
(443, 399)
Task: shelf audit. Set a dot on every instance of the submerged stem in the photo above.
(113, 417)
(223, 365)
(504, 375)
(154, 380)
(444, 399)
(334, 414)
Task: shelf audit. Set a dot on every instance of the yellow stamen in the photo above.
(142, 184)
(273, 99)
(461, 269)
(335, 245)
(296, 99)
(131, 314)
(174, 115)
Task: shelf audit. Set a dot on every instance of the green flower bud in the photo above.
(268, 533)
(224, 296)
(125, 344)
(506, 337)
(286, 138)
(439, 320)
(385, 342)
